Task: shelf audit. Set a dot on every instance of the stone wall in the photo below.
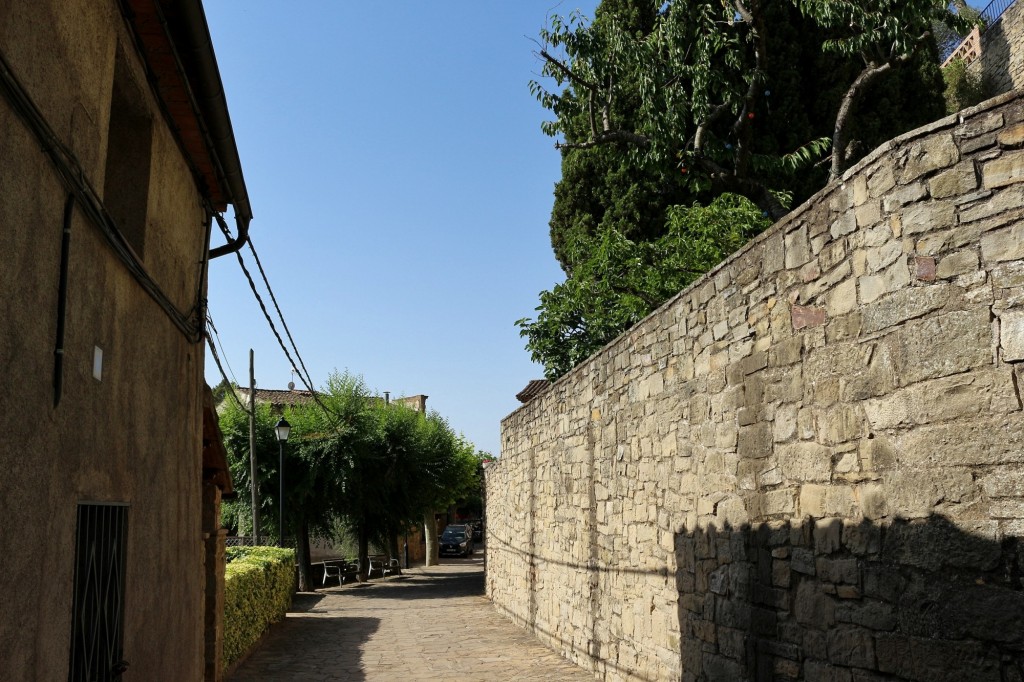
(810, 463)
(1002, 51)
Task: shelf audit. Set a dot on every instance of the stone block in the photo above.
(882, 256)
(804, 461)
(984, 440)
(957, 263)
(807, 316)
(851, 646)
(929, 155)
(812, 607)
(844, 224)
(1011, 335)
(820, 671)
(928, 216)
(941, 345)
(924, 268)
(1007, 169)
(845, 571)
(980, 125)
(840, 501)
(755, 441)
(1008, 276)
(774, 254)
(962, 395)
(827, 535)
(1003, 245)
(842, 299)
(867, 214)
(882, 180)
(779, 502)
(860, 189)
(802, 561)
(1012, 136)
(957, 181)
(907, 194)
(937, 544)
(797, 248)
(1003, 201)
(904, 305)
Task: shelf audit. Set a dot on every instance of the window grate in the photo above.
(97, 627)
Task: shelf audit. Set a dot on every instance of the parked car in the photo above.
(457, 540)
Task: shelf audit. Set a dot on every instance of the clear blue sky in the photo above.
(401, 189)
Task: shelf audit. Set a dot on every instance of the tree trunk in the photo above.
(393, 547)
(364, 553)
(302, 557)
(841, 135)
(430, 535)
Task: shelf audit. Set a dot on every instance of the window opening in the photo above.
(97, 625)
(129, 146)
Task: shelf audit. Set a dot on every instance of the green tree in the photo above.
(882, 34)
(318, 454)
(619, 281)
(669, 104)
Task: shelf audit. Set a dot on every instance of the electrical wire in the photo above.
(305, 378)
(230, 386)
(73, 178)
(212, 327)
(273, 299)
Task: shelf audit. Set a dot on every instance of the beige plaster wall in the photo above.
(132, 437)
(798, 467)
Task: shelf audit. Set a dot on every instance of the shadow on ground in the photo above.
(425, 584)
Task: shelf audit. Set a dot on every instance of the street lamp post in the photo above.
(282, 428)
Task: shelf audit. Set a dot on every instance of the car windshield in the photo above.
(449, 536)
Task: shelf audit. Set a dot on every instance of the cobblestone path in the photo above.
(429, 624)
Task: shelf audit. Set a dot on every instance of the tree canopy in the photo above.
(617, 281)
(377, 468)
(662, 105)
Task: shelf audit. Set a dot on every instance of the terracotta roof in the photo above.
(277, 398)
(215, 459)
(532, 390)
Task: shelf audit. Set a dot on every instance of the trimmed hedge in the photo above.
(258, 587)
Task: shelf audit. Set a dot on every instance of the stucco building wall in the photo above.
(808, 464)
(134, 435)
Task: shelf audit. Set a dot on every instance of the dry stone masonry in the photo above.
(809, 465)
(1002, 50)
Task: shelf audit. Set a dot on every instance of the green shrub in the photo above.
(258, 587)
(964, 87)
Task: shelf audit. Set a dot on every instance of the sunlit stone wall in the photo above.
(809, 464)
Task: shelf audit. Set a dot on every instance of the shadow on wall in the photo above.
(850, 602)
(996, 64)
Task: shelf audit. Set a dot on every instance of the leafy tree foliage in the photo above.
(618, 281)
(665, 104)
(964, 88)
(376, 468)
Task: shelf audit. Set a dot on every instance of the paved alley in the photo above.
(429, 624)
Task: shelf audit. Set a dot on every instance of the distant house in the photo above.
(292, 397)
(116, 152)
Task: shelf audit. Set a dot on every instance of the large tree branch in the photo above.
(743, 126)
(840, 135)
(567, 72)
(607, 137)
